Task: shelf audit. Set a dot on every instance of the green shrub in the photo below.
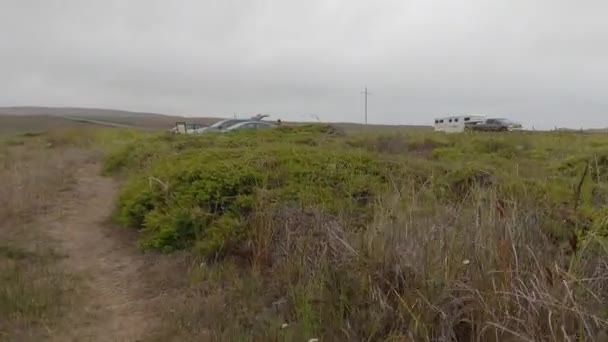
(220, 185)
(201, 189)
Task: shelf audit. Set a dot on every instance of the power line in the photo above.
(366, 93)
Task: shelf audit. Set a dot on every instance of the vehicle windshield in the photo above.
(224, 123)
(238, 125)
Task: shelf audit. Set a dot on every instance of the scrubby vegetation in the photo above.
(309, 232)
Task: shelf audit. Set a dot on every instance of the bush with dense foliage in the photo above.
(479, 236)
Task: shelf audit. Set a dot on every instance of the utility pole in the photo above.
(366, 93)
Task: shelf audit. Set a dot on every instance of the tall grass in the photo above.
(447, 273)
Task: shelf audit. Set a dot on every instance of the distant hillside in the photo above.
(122, 118)
(101, 116)
(17, 124)
(353, 127)
(69, 111)
(588, 130)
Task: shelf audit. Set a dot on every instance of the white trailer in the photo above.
(457, 124)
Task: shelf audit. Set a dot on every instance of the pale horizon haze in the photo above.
(543, 63)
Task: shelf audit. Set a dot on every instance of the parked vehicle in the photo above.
(496, 125)
(186, 128)
(222, 125)
(457, 124)
(250, 125)
(225, 125)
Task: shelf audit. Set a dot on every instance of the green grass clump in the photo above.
(140, 153)
(188, 190)
(201, 189)
(207, 195)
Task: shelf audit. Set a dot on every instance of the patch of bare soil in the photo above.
(113, 300)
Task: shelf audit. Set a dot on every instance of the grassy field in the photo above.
(314, 232)
(309, 232)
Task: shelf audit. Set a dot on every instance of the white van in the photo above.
(457, 124)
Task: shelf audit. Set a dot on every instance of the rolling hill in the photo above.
(54, 116)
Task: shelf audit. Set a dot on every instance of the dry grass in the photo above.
(471, 272)
(32, 288)
(447, 273)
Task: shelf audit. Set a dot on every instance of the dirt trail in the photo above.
(111, 300)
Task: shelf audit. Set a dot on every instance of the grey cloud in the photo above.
(541, 62)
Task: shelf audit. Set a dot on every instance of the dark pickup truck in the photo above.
(496, 125)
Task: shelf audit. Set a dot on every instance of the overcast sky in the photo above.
(541, 62)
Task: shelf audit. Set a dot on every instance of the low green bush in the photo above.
(187, 190)
(206, 194)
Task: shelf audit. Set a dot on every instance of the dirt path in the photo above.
(112, 305)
